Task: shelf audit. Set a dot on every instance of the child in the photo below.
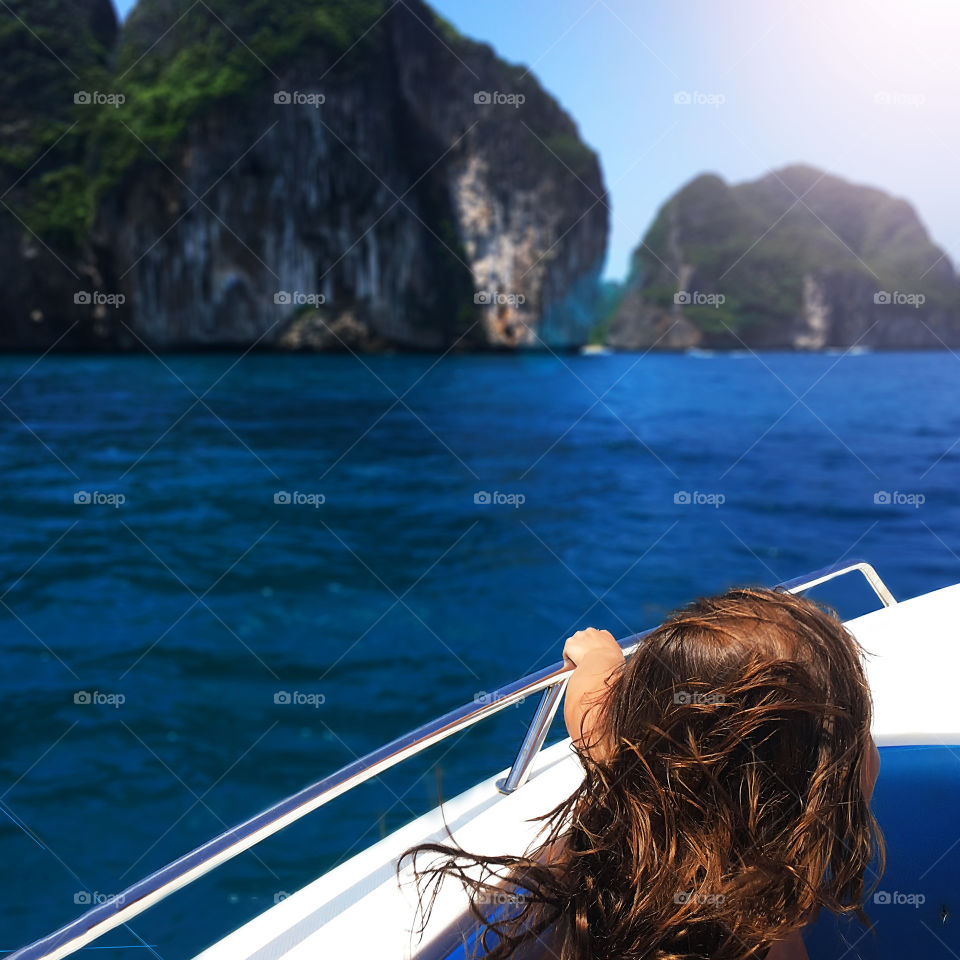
(726, 798)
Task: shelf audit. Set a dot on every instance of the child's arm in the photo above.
(597, 656)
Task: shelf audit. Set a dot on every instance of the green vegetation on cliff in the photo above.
(51, 53)
(173, 60)
(216, 50)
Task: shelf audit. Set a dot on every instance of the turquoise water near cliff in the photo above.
(619, 486)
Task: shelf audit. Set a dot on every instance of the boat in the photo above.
(857, 350)
(358, 908)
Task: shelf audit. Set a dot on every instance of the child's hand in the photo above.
(593, 643)
(596, 656)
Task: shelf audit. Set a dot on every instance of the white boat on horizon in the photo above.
(857, 350)
(595, 350)
(358, 908)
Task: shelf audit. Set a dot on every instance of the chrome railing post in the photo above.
(535, 735)
(543, 718)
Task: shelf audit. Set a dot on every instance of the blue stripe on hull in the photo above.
(916, 907)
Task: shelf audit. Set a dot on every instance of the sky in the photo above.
(869, 91)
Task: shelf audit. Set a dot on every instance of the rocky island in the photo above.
(797, 260)
(346, 174)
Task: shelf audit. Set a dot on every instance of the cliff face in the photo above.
(52, 53)
(796, 260)
(321, 176)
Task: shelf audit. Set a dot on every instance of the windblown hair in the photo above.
(727, 812)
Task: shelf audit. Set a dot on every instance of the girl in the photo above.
(728, 770)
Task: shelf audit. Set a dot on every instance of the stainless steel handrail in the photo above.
(160, 884)
(838, 570)
(165, 881)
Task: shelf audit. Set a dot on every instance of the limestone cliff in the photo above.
(314, 175)
(796, 260)
(52, 54)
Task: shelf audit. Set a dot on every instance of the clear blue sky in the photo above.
(865, 90)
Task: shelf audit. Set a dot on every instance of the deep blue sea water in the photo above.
(199, 598)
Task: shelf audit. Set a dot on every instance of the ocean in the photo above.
(224, 578)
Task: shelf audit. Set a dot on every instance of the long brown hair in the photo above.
(728, 811)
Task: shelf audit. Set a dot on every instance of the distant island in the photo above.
(330, 176)
(797, 260)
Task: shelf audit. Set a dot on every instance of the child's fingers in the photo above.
(583, 641)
